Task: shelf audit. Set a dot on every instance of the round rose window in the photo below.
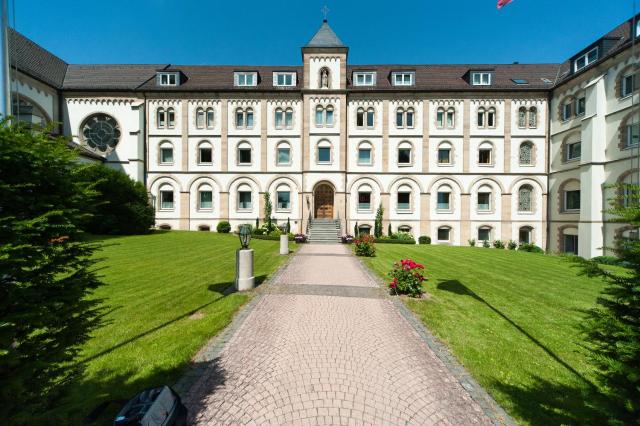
(101, 133)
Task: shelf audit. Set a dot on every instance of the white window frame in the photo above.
(403, 78)
(168, 79)
(204, 145)
(241, 78)
(625, 90)
(244, 147)
(204, 188)
(444, 228)
(284, 74)
(565, 199)
(364, 74)
(568, 151)
(283, 145)
(167, 189)
(283, 189)
(586, 59)
(166, 145)
(481, 78)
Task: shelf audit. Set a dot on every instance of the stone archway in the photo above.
(323, 201)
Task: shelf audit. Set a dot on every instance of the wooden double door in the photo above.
(323, 201)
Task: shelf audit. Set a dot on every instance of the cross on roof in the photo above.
(325, 11)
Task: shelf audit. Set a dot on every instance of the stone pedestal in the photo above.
(244, 270)
(284, 244)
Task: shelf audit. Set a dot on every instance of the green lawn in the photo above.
(512, 319)
(154, 286)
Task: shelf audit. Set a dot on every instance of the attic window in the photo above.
(285, 79)
(403, 78)
(364, 78)
(520, 81)
(244, 79)
(586, 59)
(168, 78)
(481, 78)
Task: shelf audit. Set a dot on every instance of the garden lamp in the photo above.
(245, 236)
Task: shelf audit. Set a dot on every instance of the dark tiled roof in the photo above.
(456, 77)
(35, 61)
(109, 77)
(325, 37)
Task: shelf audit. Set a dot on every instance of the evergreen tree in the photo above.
(257, 222)
(389, 230)
(288, 226)
(355, 230)
(268, 207)
(46, 271)
(377, 230)
(613, 326)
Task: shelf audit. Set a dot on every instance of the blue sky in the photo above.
(271, 32)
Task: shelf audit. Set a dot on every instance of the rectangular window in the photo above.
(443, 234)
(404, 156)
(450, 117)
(285, 79)
(244, 200)
(481, 78)
(364, 78)
(491, 118)
(574, 151)
(627, 85)
(319, 116)
(288, 119)
(279, 119)
(284, 156)
(364, 201)
(364, 156)
(244, 156)
(370, 116)
(245, 79)
(570, 244)
(484, 156)
(284, 200)
(206, 200)
(443, 200)
(399, 119)
(572, 200)
(324, 154)
(239, 118)
(166, 155)
(404, 200)
(633, 134)
(484, 201)
(586, 59)
(440, 119)
(480, 118)
(484, 234)
(581, 105)
(403, 78)
(444, 156)
(329, 117)
(409, 119)
(205, 156)
(566, 111)
(166, 200)
(168, 79)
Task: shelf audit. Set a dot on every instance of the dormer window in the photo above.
(367, 78)
(403, 78)
(168, 78)
(284, 79)
(586, 59)
(481, 78)
(245, 79)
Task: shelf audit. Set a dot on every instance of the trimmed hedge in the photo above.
(270, 237)
(390, 241)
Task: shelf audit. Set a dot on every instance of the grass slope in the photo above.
(154, 285)
(513, 320)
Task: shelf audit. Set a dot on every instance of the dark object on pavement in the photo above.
(159, 406)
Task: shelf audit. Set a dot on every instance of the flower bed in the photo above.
(406, 278)
(364, 246)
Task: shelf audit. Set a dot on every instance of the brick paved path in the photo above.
(324, 345)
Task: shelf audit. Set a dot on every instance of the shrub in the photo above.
(387, 240)
(472, 242)
(47, 271)
(223, 227)
(423, 239)
(530, 247)
(404, 236)
(606, 260)
(347, 239)
(512, 245)
(498, 244)
(300, 238)
(486, 244)
(259, 231)
(364, 246)
(407, 278)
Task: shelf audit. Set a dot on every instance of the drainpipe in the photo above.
(5, 97)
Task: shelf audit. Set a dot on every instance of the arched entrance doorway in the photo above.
(323, 201)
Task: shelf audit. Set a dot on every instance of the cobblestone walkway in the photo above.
(323, 344)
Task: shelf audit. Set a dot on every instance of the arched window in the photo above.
(400, 118)
(572, 147)
(371, 117)
(569, 193)
(249, 118)
(166, 153)
(405, 118)
(324, 152)
(630, 131)
(171, 118)
(485, 154)
(364, 198)
(205, 197)
(525, 234)
(491, 117)
(444, 198)
(204, 228)
(319, 115)
(166, 197)
(205, 153)
(405, 157)
(328, 115)
(525, 198)
(404, 228)
(522, 117)
(440, 118)
(364, 230)
(239, 118)
(451, 118)
(403, 200)
(288, 118)
(244, 197)
(484, 198)
(279, 118)
(210, 118)
(444, 153)
(200, 118)
(244, 153)
(533, 117)
(569, 240)
(444, 233)
(360, 117)
(283, 154)
(526, 154)
(364, 154)
(283, 198)
(481, 114)
(27, 111)
(161, 118)
(484, 233)
(244, 118)
(409, 118)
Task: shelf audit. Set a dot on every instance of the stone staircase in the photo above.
(324, 231)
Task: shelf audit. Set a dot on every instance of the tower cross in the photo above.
(325, 11)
